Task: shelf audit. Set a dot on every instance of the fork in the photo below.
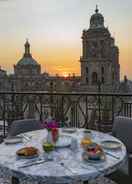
(63, 165)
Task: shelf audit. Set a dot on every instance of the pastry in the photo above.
(85, 142)
(94, 151)
(27, 151)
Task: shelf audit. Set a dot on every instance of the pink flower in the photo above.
(49, 125)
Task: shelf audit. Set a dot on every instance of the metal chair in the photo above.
(4, 181)
(22, 126)
(122, 129)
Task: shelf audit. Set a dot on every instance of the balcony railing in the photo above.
(89, 110)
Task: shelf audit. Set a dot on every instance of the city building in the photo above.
(100, 56)
(100, 68)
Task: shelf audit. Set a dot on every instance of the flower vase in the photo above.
(49, 137)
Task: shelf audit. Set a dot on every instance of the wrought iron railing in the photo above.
(90, 110)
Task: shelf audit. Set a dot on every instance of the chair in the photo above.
(17, 127)
(4, 181)
(122, 129)
(22, 126)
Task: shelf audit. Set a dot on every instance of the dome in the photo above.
(97, 20)
(27, 61)
(27, 58)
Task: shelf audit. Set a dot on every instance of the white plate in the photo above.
(27, 157)
(69, 130)
(13, 140)
(87, 131)
(111, 144)
(64, 141)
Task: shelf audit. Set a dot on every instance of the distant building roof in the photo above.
(27, 61)
(97, 20)
(27, 58)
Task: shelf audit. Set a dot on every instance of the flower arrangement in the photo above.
(53, 131)
(49, 125)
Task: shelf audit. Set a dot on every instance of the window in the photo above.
(113, 76)
(102, 70)
(102, 74)
(87, 70)
(87, 80)
(94, 78)
(103, 80)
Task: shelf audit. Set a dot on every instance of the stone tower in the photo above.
(100, 56)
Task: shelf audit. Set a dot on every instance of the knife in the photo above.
(112, 155)
(33, 163)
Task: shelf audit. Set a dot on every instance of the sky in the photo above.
(54, 29)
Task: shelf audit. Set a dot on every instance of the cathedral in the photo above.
(100, 68)
(100, 56)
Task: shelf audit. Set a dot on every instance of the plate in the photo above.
(111, 144)
(63, 141)
(69, 130)
(86, 158)
(13, 140)
(87, 131)
(27, 157)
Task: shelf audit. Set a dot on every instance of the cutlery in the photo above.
(26, 137)
(91, 165)
(112, 155)
(33, 163)
(63, 165)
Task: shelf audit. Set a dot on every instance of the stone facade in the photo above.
(3, 80)
(100, 56)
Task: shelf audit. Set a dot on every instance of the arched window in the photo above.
(102, 80)
(113, 76)
(87, 80)
(87, 70)
(87, 75)
(94, 78)
(102, 70)
(102, 74)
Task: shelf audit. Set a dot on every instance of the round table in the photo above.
(67, 165)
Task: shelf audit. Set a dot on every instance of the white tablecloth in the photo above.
(74, 168)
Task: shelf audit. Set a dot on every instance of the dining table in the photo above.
(65, 164)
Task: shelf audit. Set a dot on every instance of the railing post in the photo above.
(99, 104)
(86, 119)
(51, 98)
(41, 109)
(99, 108)
(4, 109)
(62, 109)
(112, 110)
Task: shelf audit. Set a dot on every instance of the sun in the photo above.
(65, 74)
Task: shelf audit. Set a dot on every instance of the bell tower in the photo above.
(100, 56)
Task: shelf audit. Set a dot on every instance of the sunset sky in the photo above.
(54, 29)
